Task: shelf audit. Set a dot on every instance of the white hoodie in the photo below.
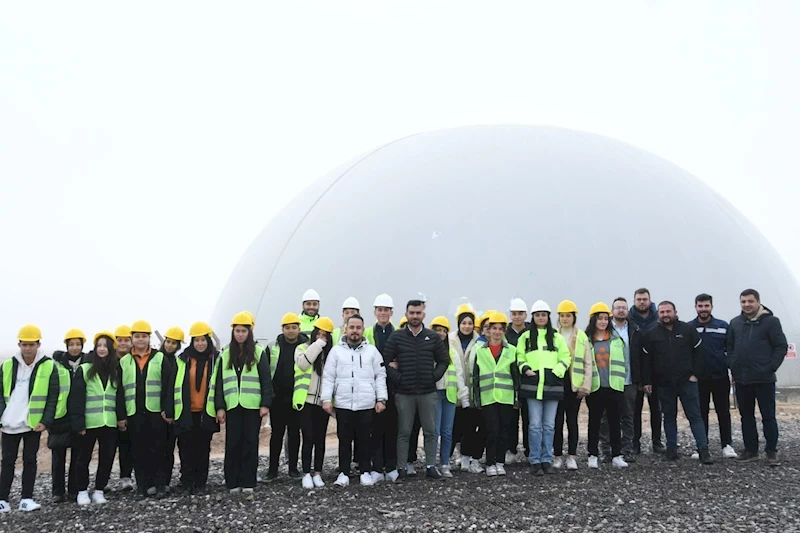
(15, 417)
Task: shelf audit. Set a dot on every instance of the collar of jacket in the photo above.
(485, 343)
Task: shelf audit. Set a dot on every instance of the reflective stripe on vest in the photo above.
(451, 379)
(274, 354)
(616, 367)
(246, 395)
(38, 397)
(177, 396)
(152, 384)
(494, 380)
(101, 402)
(578, 364)
(539, 361)
(64, 380)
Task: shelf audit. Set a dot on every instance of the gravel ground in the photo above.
(651, 495)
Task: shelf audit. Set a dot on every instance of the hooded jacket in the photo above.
(756, 347)
(642, 322)
(14, 414)
(354, 377)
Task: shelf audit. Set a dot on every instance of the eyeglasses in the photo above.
(620, 308)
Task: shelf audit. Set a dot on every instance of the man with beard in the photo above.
(310, 312)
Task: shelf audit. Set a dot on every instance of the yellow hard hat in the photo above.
(498, 318)
(123, 331)
(567, 306)
(465, 309)
(252, 317)
(441, 321)
(599, 307)
(29, 333)
(324, 323)
(200, 329)
(108, 334)
(290, 318)
(175, 333)
(403, 321)
(485, 316)
(141, 326)
(75, 333)
(243, 318)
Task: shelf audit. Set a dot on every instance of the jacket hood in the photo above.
(343, 342)
(39, 356)
(653, 310)
(761, 312)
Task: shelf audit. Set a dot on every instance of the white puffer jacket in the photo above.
(354, 379)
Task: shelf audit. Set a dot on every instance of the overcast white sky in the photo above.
(144, 145)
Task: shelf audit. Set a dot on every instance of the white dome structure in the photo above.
(490, 213)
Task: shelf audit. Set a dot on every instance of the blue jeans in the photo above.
(541, 429)
(445, 414)
(689, 394)
(747, 396)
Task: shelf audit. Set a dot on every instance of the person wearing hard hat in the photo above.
(194, 427)
(355, 378)
(310, 312)
(60, 437)
(124, 339)
(403, 322)
(462, 341)
(173, 339)
(309, 360)
(148, 388)
(97, 412)
(518, 310)
(475, 428)
(283, 418)
(350, 307)
(608, 386)
(240, 396)
(29, 389)
(377, 334)
(577, 385)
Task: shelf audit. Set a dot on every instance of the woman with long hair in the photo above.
(173, 339)
(309, 360)
(241, 396)
(96, 409)
(462, 340)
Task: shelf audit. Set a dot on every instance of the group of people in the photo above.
(465, 388)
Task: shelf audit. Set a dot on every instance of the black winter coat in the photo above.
(671, 357)
(421, 360)
(184, 423)
(756, 348)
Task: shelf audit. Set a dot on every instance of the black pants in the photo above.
(148, 433)
(314, 424)
(58, 458)
(169, 453)
(125, 455)
(354, 426)
(10, 450)
(283, 419)
(474, 438)
(413, 440)
(194, 448)
(241, 447)
(604, 400)
(719, 389)
(383, 446)
(498, 417)
(513, 430)
(568, 409)
(655, 418)
(458, 429)
(106, 439)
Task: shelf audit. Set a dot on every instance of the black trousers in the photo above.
(283, 419)
(169, 453)
(241, 447)
(498, 417)
(314, 425)
(194, 448)
(719, 390)
(354, 426)
(513, 430)
(125, 455)
(10, 449)
(655, 417)
(413, 440)
(58, 469)
(148, 434)
(568, 410)
(473, 440)
(383, 448)
(604, 400)
(106, 439)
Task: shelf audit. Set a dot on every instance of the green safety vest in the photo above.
(302, 381)
(274, 354)
(41, 385)
(152, 384)
(177, 395)
(246, 395)
(101, 402)
(578, 373)
(369, 334)
(616, 369)
(337, 334)
(64, 380)
(495, 382)
(451, 379)
(541, 359)
(307, 323)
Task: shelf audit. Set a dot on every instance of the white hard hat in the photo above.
(540, 305)
(351, 303)
(518, 304)
(310, 295)
(383, 300)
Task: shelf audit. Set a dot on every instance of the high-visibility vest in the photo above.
(578, 373)
(544, 361)
(307, 323)
(177, 395)
(302, 381)
(64, 381)
(152, 384)
(369, 334)
(246, 395)
(616, 365)
(274, 354)
(451, 379)
(336, 335)
(41, 386)
(101, 402)
(495, 382)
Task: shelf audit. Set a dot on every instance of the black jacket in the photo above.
(76, 404)
(755, 348)
(167, 381)
(512, 337)
(264, 376)
(184, 424)
(63, 424)
(283, 379)
(422, 360)
(52, 390)
(671, 357)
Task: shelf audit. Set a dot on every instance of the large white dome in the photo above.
(494, 212)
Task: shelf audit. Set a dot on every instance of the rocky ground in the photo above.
(651, 495)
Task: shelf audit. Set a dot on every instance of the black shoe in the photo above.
(671, 453)
(432, 473)
(772, 459)
(605, 458)
(536, 469)
(294, 474)
(272, 475)
(748, 457)
(59, 498)
(637, 448)
(547, 468)
(402, 475)
(705, 457)
(161, 492)
(658, 448)
(199, 489)
(629, 458)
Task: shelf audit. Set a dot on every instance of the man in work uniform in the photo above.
(310, 312)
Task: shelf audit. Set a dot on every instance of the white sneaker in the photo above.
(619, 462)
(98, 497)
(366, 479)
(151, 491)
(258, 478)
(4, 507)
(475, 467)
(318, 481)
(572, 464)
(557, 463)
(377, 477)
(696, 456)
(491, 471)
(342, 480)
(729, 453)
(457, 453)
(522, 458)
(29, 505)
(592, 461)
(236, 490)
(501, 469)
(510, 458)
(410, 469)
(393, 475)
(465, 462)
(248, 493)
(445, 470)
(125, 484)
(83, 498)
(308, 483)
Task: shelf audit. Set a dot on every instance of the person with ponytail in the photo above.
(173, 339)
(309, 360)
(96, 411)
(240, 396)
